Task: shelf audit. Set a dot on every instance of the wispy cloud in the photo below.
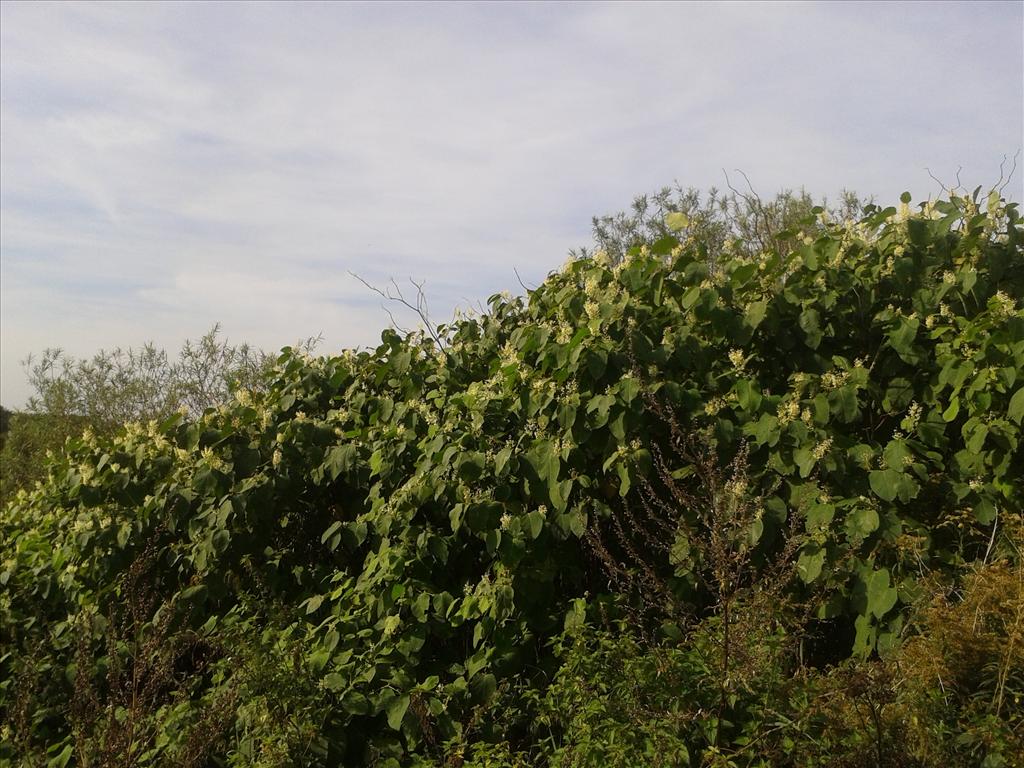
(167, 166)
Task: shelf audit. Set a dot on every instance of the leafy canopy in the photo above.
(347, 567)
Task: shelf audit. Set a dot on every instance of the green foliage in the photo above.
(116, 387)
(28, 439)
(744, 222)
(355, 564)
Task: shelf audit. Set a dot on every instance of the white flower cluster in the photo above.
(833, 380)
(1004, 307)
(738, 359)
(788, 410)
(736, 488)
(211, 459)
(715, 404)
(625, 450)
(913, 416)
(822, 448)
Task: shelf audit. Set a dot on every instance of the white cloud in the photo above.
(167, 166)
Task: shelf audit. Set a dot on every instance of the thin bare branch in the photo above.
(1002, 184)
(394, 294)
(524, 286)
(937, 180)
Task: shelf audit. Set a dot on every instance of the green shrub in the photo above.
(350, 566)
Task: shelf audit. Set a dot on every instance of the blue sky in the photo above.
(167, 166)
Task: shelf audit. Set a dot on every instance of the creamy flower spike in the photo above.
(788, 410)
(822, 448)
(1004, 306)
(833, 380)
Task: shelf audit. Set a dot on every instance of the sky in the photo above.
(165, 167)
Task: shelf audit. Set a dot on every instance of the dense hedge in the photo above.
(352, 568)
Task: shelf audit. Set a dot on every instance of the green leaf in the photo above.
(600, 404)
(969, 277)
(885, 483)
(430, 683)
(624, 481)
(471, 465)
(810, 324)
(535, 523)
(355, 703)
(221, 540)
(755, 531)
(748, 394)
(843, 401)
(62, 759)
(196, 593)
(765, 430)
(679, 555)
(819, 516)
(674, 633)
(1016, 409)
(341, 458)
(576, 616)
(313, 604)
(805, 460)
(902, 338)
(809, 565)
(754, 313)
(881, 596)
(334, 682)
(864, 641)
(331, 640)
(985, 511)
(545, 462)
(318, 660)
(629, 388)
(332, 529)
(483, 687)
(952, 410)
(896, 454)
(597, 361)
(501, 459)
(483, 516)
(396, 710)
(376, 462)
(690, 297)
(821, 409)
(861, 523)
(742, 274)
(977, 439)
